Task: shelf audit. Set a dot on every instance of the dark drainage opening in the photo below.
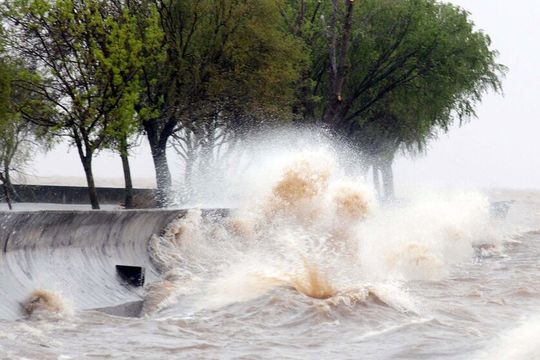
(133, 275)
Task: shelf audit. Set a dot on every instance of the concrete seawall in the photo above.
(74, 253)
(78, 195)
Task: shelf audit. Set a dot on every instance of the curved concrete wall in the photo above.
(75, 253)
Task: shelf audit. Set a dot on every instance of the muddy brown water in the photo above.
(484, 306)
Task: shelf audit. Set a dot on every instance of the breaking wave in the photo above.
(308, 227)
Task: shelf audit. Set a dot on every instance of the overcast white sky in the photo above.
(499, 149)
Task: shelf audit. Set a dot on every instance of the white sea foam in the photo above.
(308, 226)
(519, 343)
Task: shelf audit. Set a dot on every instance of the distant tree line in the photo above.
(203, 75)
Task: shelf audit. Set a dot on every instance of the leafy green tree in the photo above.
(390, 75)
(233, 60)
(89, 57)
(363, 51)
(452, 81)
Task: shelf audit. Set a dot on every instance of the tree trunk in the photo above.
(332, 115)
(13, 195)
(306, 105)
(158, 146)
(85, 154)
(6, 191)
(92, 192)
(388, 180)
(8, 198)
(338, 34)
(376, 181)
(163, 174)
(188, 173)
(206, 164)
(128, 189)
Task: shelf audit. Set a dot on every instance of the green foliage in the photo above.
(5, 90)
(224, 56)
(17, 136)
(89, 56)
(449, 68)
(411, 67)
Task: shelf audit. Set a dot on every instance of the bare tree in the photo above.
(16, 150)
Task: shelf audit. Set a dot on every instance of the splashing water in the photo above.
(310, 228)
(45, 304)
(309, 265)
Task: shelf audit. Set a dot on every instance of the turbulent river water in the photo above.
(312, 267)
